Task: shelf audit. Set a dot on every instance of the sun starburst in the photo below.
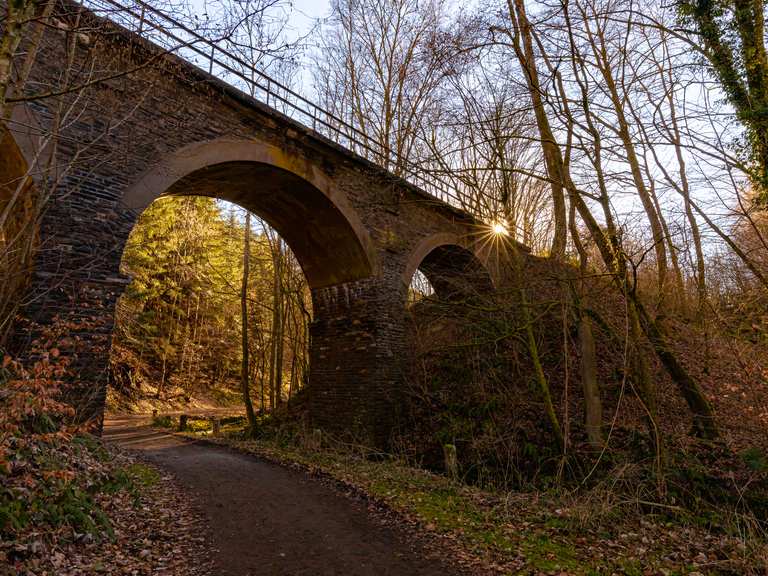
(499, 228)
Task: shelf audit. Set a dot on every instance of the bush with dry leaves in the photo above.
(51, 472)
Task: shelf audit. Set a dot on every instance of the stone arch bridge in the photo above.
(139, 124)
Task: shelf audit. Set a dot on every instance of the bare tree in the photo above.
(589, 38)
(379, 66)
(521, 39)
(482, 141)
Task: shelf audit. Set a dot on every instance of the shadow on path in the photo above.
(268, 520)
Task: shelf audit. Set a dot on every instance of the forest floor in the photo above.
(601, 530)
(221, 400)
(267, 519)
(114, 516)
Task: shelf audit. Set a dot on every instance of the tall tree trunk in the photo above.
(593, 407)
(275, 369)
(279, 353)
(522, 38)
(244, 368)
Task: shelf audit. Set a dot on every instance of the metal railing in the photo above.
(211, 55)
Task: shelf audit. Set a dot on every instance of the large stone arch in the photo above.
(352, 385)
(451, 264)
(29, 141)
(14, 169)
(18, 229)
(293, 195)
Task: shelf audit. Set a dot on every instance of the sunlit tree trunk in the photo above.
(276, 348)
(244, 369)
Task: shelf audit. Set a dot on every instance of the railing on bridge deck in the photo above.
(211, 56)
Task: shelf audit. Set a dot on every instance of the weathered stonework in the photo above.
(168, 128)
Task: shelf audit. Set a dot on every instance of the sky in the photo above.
(305, 12)
(303, 18)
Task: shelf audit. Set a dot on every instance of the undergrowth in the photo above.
(53, 476)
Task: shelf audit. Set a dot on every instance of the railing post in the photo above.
(210, 64)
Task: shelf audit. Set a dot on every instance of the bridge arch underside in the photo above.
(454, 271)
(329, 248)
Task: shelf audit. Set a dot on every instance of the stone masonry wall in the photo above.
(117, 129)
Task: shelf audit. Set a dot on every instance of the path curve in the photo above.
(268, 520)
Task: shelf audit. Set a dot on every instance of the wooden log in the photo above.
(451, 461)
(313, 440)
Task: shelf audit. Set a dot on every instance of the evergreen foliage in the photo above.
(178, 324)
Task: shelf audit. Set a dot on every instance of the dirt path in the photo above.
(268, 520)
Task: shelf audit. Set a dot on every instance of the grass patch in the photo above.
(142, 475)
(164, 421)
(544, 553)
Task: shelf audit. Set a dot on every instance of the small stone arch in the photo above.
(286, 189)
(451, 265)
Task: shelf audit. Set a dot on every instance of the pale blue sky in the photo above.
(304, 16)
(307, 11)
